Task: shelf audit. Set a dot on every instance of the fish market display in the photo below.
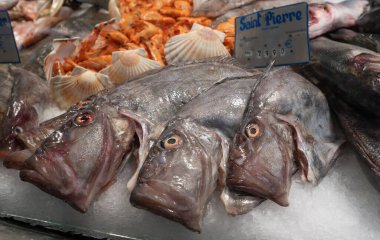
(365, 40)
(370, 21)
(27, 105)
(182, 169)
(287, 121)
(78, 161)
(351, 69)
(327, 17)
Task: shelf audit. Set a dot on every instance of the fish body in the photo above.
(8, 4)
(28, 101)
(182, 169)
(365, 40)
(6, 83)
(141, 106)
(369, 22)
(287, 121)
(363, 132)
(351, 69)
(326, 17)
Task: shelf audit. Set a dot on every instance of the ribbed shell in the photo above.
(201, 42)
(129, 64)
(68, 90)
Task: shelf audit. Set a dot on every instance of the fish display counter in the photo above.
(134, 120)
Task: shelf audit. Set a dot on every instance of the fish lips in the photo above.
(164, 200)
(261, 170)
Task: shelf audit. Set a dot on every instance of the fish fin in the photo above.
(143, 134)
(316, 152)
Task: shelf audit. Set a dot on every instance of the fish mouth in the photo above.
(162, 199)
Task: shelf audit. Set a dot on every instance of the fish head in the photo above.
(27, 141)
(80, 159)
(260, 158)
(19, 118)
(180, 173)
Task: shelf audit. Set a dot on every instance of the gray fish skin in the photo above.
(355, 71)
(142, 107)
(29, 98)
(363, 132)
(6, 83)
(8, 4)
(177, 182)
(326, 17)
(369, 22)
(287, 120)
(369, 41)
(216, 8)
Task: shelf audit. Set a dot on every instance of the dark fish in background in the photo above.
(78, 161)
(363, 132)
(365, 40)
(353, 70)
(182, 169)
(326, 17)
(369, 22)
(287, 121)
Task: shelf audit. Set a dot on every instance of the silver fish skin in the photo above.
(26, 106)
(8, 4)
(355, 71)
(287, 120)
(181, 171)
(365, 40)
(106, 129)
(363, 132)
(369, 22)
(326, 17)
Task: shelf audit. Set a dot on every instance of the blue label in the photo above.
(8, 48)
(278, 33)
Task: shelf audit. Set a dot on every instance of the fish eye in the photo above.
(171, 142)
(17, 130)
(84, 118)
(252, 130)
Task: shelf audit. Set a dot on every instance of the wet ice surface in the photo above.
(343, 206)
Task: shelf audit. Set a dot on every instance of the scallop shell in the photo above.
(113, 9)
(129, 64)
(201, 42)
(67, 90)
(62, 48)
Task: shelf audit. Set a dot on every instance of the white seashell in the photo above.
(61, 48)
(129, 64)
(67, 90)
(113, 9)
(201, 42)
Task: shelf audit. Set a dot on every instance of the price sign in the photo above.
(279, 33)
(8, 47)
